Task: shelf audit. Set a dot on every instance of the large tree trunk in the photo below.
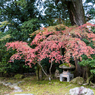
(78, 69)
(76, 11)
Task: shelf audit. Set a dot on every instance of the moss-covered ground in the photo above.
(4, 90)
(45, 87)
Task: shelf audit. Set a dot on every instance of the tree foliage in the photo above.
(21, 18)
(18, 19)
(50, 41)
(4, 56)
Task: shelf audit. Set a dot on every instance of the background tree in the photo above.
(89, 9)
(21, 20)
(72, 11)
(74, 8)
(4, 37)
(17, 14)
(58, 13)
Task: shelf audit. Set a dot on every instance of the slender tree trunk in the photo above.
(40, 73)
(50, 70)
(89, 79)
(37, 72)
(42, 68)
(76, 12)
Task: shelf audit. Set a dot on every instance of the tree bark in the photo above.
(42, 68)
(78, 68)
(50, 70)
(39, 73)
(89, 79)
(76, 12)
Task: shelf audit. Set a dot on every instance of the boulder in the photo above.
(19, 76)
(81, 91)
(77, 80)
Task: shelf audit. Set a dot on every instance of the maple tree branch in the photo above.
(42, 68)
(61, 54)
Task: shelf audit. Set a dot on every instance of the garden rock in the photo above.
(81, 91)
(77, 80)
(19, 76)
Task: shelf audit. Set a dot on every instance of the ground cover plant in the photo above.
(45, 87)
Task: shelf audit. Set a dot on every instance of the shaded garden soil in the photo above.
(45, 87)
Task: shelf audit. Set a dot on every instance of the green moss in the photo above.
(65, 64)
(77, 80)
(18, 76)
(4, 89)
(45, 87)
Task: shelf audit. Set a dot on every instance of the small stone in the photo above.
(16, 87)
(85, 84)
(19, 82)
(68, 85)
(50, 83)
(9, 83)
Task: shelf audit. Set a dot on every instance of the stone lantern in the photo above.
(66, 72)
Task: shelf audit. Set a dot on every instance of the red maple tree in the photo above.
(50, 41)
